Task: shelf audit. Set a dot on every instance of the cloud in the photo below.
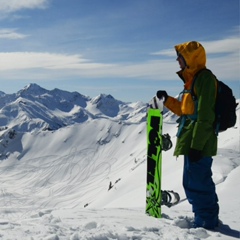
(165, 52)
(223, 60)
(227, 45)
(30, 60)
(75, 65)
(15, 5)
(11, 34)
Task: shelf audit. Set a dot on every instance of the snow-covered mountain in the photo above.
(59, 153)
(34, 108)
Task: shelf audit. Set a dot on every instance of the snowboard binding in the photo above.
(170, 198)
(166, 142)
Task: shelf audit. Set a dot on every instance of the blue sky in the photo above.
(123, 48)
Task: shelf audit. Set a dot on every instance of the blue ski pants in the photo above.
(200, 191)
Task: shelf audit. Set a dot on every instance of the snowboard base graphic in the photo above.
(154, 162)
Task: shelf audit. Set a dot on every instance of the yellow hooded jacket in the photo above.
(198, 134)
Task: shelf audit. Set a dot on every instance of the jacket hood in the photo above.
(195, 57)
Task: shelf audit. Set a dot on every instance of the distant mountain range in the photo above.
(35, 108)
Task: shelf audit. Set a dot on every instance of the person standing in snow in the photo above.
(196, 137)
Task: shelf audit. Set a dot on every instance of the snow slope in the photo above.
(61, 150)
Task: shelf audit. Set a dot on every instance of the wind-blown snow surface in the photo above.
(61, 150)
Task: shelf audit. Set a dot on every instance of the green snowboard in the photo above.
(154, 162)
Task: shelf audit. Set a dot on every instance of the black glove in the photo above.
(162, 94)
(194, 155)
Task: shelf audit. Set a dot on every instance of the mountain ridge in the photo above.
(35, 108)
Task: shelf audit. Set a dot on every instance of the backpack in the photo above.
(225, 106)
